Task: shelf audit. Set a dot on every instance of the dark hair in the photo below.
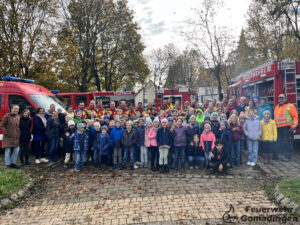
(25, 110)
(192, 142)
(39, 109)
(218, 142)
(69, 106)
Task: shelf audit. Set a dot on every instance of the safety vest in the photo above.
(286, 115)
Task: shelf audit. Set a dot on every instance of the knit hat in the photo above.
(207, 118)
(164, 120)
(225, 123)
(80, 125)
(70, 123)
(106, 117)
(104, 127)
(117, 121)
(214, 114)
(170, 119)
(192, 116)
(141, 119)
(256, 97)
(156, 120)
(148, 121)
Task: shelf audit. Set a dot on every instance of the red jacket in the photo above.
(207, 141)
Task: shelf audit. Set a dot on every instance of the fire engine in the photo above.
(106, 97)
(181, 94)
(269, 80)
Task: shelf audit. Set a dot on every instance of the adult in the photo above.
(187, 105)
(53, 133)
(140, 108)
(209, 110)
(251, 106)
(11, 135)
(214, 102)
(112, 110)
(100, 110)
(264, 106)
(149, 108)
(39, 135)
(242, 106)
(231, 106)
(194, 104)
(123, 106)
(286, 118)
(25, 135)
(70, 112)
(164, 105)
(50, 111)
(90, 108)
(81, 107)
(256, 101)
(177, 107)
(225, 101)
(205, 105)
(169, 103)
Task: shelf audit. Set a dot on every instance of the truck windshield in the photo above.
(45, 101)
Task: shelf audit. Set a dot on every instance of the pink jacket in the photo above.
(208, 140)
(152, 136)
(147, 140)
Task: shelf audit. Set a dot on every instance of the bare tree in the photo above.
(213, 42)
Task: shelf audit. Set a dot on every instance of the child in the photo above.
(208, 143)
(242, 119)
(163, 139)
(252, 130)
(95, 139)
(215, 124)
(195, 155)
(129, 139)
(116, 142)
(219, 161)
(68, 144)
(153, 143)
(194, 128)
(223, 117)
(268, 136)
(236, 132)
(80, 144)
(224, 134)
(147, 130)
(141, 141)
(78, 118)
(180, 141)
(112, 124)
(103, 144)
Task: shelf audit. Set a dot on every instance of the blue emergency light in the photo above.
(55, 92)
(17, 79)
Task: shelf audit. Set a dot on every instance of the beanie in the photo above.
(80, 125)
(70, 123)
(148, 121)
(164, 120)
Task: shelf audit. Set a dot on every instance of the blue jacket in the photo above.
(140, 131)
(194, 129)
(38, 127)
(225, 137)
(103, 142)
(163, 137)
(261, 109)
(116, 135)
(180, 136)
(76, 144)
(240, 108)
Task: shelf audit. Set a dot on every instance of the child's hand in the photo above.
(67, 134)
(221, 168)
(172, 129)
(211, 154)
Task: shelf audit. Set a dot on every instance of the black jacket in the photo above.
(194, 150)
(220, 157)
(38, 127)
(163, 137)
(53, 128)
(68, 143)
(129, 139)
(25, 133)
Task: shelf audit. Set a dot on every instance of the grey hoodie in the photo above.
(252, 128)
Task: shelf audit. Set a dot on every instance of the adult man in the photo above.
(241, 107)
(286, 118)
(11, 135)
(90, 108)
(124, 108)
(112, 110)
(140, 107)
(205, 105)
(82, 109)
(149, 108)
(177, 107)
(100, 110)
(164, 105)
(169, 104)
(209, 110)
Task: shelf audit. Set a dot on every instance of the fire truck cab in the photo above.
(182, 95)
(106, 97)
(269, 80)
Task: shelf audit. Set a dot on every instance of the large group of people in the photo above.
(211, 135)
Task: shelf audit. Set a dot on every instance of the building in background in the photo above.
(146, 94)
(208, 92)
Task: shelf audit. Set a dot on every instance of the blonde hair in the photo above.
(129, 122)
(234, 116)
(96, 124)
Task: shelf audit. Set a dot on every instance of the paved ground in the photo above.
(143, 197)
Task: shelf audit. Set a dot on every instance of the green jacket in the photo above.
(199, 119)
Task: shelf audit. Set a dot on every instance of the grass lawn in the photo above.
(11, 181)
(290, 187)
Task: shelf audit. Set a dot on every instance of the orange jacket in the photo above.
(286, 115)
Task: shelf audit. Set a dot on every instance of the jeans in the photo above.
(11, 158)
(53, 146)
(39, 147)
(144, 156)
(163, 156)
(153, 154)
(235, 156)
(129, 152)
(96, 156)
(195, 160)
(180, 154)
(171, 157)
(207, 158)
(24, 151)
(252, 150)
(79, 159)
(117, 155)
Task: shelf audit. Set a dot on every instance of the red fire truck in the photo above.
(106, 97)
(269, 80)
(182, 95)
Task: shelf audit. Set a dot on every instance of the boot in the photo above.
(161, 169)
(167, 169)
(265, 157)
(270, 158)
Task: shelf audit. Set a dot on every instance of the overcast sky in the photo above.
(163, 21)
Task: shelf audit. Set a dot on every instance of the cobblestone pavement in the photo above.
(140, 196)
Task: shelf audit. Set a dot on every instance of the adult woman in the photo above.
(39, 135)
(53, 128)
(25, 135)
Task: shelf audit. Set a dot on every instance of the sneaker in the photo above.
(27, 163)
(191, 168)
(253, 164)
(76, 170)
(14, 166)
(135, 167)
(37, 161)
(196, 167)
(248, 163)
(44, 160)
(114, 166)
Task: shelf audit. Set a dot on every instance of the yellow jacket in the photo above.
(269, 131)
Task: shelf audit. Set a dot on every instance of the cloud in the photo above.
(143, 2)
(145, 20)
(157, 28)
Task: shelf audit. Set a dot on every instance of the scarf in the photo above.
(44, 120)
(266, 121)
